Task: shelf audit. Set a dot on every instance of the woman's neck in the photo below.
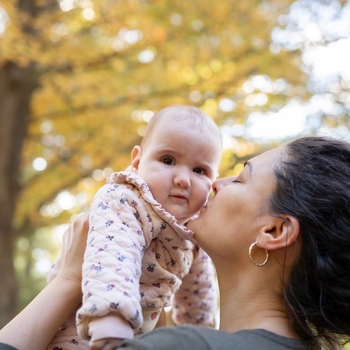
(247, 305)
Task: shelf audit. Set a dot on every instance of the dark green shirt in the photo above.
(6, 347)
(201, 338)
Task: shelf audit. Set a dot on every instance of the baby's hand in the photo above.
(105, 344)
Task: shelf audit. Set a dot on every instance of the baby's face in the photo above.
(179, 165)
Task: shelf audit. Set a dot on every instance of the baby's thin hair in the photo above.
(189, 116)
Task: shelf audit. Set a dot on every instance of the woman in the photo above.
(35, 326)
(279, 237)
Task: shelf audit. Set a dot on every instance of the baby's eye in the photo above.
(168, 161)
(198, 170)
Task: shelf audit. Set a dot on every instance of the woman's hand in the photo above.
(73, 248)
(38, 322)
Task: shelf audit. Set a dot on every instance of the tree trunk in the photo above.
(16, 88)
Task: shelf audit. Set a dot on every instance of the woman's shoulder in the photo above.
(263, 339)
(195, 337)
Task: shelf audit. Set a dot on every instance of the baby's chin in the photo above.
(195, 220)
(186, 221)
(190, 224)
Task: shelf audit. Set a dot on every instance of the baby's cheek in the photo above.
(203, 200)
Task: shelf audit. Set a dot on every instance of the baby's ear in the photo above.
(283, 232)
(135, 158)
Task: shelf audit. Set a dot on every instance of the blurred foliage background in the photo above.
(79, 79)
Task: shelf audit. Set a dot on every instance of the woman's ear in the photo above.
(281, 233)
(135, 158)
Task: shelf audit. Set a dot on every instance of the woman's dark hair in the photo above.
(313, 185)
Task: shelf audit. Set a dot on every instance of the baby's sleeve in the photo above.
(196, 300)
(112, 262)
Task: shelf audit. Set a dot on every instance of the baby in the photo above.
(140, 257)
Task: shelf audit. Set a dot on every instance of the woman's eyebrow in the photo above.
(250, 167)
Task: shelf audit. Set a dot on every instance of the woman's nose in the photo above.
(220, 183)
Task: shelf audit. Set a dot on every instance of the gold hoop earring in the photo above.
(251, 258)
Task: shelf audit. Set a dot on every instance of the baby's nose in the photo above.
(182, 179)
